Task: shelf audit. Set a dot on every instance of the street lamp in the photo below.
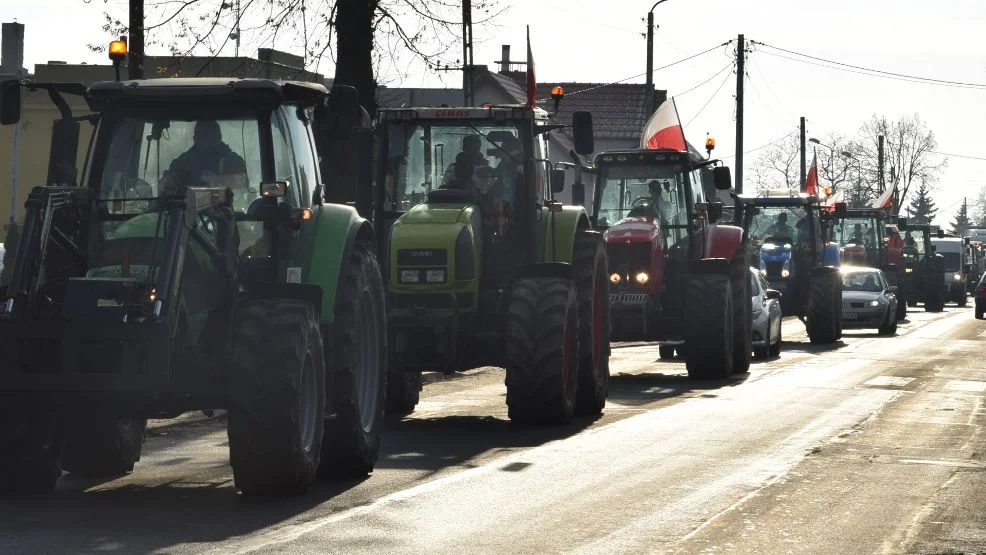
(843, 153)
(650, 56)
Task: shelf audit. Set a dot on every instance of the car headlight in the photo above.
(641, 278)
(410, 276)
(435, 276)
(957, 277)
(615, 278)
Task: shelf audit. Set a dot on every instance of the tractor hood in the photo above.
(773, 252)
(435, 214)
(636, 230)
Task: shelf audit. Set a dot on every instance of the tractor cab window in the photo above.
(914, 243)
(780, 225)
(657, 192)
(863, 232)
(485, 159)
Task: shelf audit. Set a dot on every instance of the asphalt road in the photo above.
(874, 445)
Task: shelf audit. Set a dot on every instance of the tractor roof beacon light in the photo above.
(710, 145)
(557, 93)
(118, 53)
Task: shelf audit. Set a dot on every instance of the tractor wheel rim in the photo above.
(368, 362)
(309, 402)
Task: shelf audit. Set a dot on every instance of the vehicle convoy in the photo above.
(676, 275)
(193, 266)
(868, 300)
(923, 267)
(954, 278)
(767, 317)
(865, 240)
(484, 266)
(786, 238)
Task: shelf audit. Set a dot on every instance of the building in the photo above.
(32, 137)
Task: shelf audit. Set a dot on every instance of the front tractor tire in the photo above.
(592, 283)
(277, 397)
(542, 351)
(403, 391)
(709, 322)
(739, 281)
(824, 316)
(358, 363)
(935, 299)
(103, 445)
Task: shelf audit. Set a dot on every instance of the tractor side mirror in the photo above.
(715, 211)
(772, 294)
(902, 223)
(722, 178)
(10, 102)
(64, 151)
(557, 181)
(578, 193)
(339, 114)
(582, 132)
(841, 210)
(941, 233)
(965, 240)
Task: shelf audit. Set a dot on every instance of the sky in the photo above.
(602, 41)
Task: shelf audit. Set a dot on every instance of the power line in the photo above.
(957, 155)
(709, 101)
(772, 143)
(873, 72)
(714, 75)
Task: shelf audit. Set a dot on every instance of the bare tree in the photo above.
(362, 38)
(909, 150)
(777, 167)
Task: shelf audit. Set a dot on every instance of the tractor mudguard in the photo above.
(832, 255)
(332, 222)
(556, 233)
(719, 266)
(561, 270)
(722, 241)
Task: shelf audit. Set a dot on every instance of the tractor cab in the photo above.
(923, 267)
(862, 237)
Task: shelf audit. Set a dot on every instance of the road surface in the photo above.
(874, 445)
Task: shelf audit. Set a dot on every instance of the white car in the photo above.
(868, 301)
(766, 317)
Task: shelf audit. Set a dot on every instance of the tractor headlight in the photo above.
(786, 269)
(641, 278)
(763, 267)
(615, 278)
(957, 277)
(908, 270)
(435, 276)
(410, 276)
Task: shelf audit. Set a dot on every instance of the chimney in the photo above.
(11, 48)
(505, 58)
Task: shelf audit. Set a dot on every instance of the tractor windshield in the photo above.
(656, 191)
(914, 243)
(863, 231)
(779, 224)
(483, 157)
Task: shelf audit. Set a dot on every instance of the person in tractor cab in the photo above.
(780, 228)
(209, 162)
(648, 209)
(909, 244)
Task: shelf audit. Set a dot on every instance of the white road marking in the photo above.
(966, 385)
(895, 381)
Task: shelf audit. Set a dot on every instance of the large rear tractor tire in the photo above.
(901, 306)
(403, 391)
(592, 285)
(277, 397)
(358, 362)
(101, 445)
(739, 282)
(709, 320)
(665, 352)
(935, 299)
(961, 299)
(542, 351)
(824, 318)
(31, 443)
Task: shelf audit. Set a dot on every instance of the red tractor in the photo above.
(676, 276)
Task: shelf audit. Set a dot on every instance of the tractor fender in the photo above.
(556, 233)
(722, 241)
(337, 228)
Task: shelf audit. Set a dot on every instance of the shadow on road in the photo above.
(640, 389)
(808, 347)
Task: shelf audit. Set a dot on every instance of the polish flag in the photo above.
(663, 129)
(885, 200)
(811, 181)
(532, 88)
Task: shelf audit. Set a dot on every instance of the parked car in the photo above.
(766, 317)
(868, 301)
(980, 294)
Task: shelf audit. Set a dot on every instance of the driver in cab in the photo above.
(209, 162)
(780, 228)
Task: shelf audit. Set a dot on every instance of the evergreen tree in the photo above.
(980, 214)
(922, 209)
(962, 222)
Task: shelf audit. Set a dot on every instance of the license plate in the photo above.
(850, 316)
(627, 298)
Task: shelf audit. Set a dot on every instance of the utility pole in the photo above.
(135, 61)
(650, 58)
(467, 59)
(879, 162)
(740, 63)
(804, 157)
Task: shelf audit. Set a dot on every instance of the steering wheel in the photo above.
(643, 207)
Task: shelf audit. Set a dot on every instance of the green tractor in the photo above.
(195, 265)
(923, 267)
(484, 266)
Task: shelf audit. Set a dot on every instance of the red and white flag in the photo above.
(811, 181)
(663, 129)
(885, 200)
(532, 87)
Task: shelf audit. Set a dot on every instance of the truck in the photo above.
(865, 240)
(193, 265)
(788, 243)
(677, 274)
(484, 266)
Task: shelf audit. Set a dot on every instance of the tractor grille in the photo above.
(635, 256)
(857, 305)
(422, 257)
